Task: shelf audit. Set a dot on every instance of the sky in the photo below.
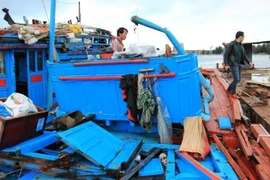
(198, 24)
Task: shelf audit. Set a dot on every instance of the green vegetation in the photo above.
(261, 49)
(256, 49)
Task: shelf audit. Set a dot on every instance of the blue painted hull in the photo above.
(181, 94)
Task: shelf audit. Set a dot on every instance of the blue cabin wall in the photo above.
(25, 72)
(7, 80)
(181, 93)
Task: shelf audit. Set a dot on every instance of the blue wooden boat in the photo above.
(23, 66)
(93, 87)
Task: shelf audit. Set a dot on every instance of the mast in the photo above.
(80, 18)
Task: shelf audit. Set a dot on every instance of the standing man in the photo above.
(235, 57)
(117, 44)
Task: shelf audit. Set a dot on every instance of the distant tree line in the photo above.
(261, 49)
(256, 49)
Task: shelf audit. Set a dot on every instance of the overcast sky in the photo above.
(199, 24)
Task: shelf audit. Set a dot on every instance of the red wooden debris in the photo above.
(256, 129)
(242, 165)
(246, 147)
(265, 143)
(235, 166)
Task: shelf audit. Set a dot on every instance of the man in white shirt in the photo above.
(117, 44)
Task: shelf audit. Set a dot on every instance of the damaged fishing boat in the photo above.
(117, 103)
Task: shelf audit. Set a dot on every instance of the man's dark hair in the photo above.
(238, 34)
(121, 30)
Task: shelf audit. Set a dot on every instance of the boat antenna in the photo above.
(80, 18)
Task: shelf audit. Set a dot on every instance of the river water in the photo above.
(209, 61)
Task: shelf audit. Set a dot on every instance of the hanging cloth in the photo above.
(129, 87)
(146, 103)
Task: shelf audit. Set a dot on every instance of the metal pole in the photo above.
(80, 18)
(52, 29)
(51, 53)
(137, 20)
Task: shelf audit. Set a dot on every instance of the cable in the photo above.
(45, 9)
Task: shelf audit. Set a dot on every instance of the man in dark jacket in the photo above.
(235, 57)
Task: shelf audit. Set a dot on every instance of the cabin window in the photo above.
(76, 40)
(32, 63)
(40, 60)
(2, 63)
(100, 41)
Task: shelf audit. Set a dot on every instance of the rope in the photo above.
(45, 10)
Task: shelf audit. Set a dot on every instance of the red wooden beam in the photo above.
(235, 102)
(242, 165)
(257, 129)
(201, 168)
(265, 143)
(79, 78)
(236, 168)
(242, 136)
(137, 61)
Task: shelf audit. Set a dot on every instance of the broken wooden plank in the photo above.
(265, 143)
(258, 90)
(124, 158)
(257, 129)
(236, 168)
(265, 84)
(242, 165)
(246, 147)
(263, 172)
(140, 165)
(207, 174)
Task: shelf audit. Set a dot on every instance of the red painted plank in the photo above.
(36, 78)
(111, 77)
(235, 166)
(112, 62)
(244, 166)
(256, 130)
(231, 141)
(3, 82)
(200, 167)
(106, 56)
(220, 106)
(265, 143)
(242, 136)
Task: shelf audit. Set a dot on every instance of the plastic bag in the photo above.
(18, 104)
(164, 123)
(144, 49)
